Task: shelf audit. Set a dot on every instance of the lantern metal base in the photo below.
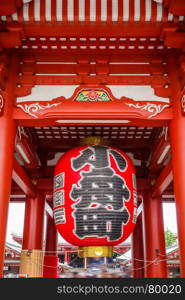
(95, 251)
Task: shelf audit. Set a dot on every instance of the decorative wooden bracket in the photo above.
(92, 103)
(3, 70)
(175, 7)
(173, 36)
(11, 36)
(9, 7)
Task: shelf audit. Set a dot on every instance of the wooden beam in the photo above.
(143, 184)
(45, 184)
(126, 145)
(17, 199)
(87, 79)
(79, 55)
(163, 181)
(126, 29)
(103, 68)
(22, 179)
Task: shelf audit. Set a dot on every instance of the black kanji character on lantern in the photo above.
(59, 181)
(104, 190)
(97, 156)
(100, 222)
(100, 186)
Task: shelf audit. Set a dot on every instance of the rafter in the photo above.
(76, 11)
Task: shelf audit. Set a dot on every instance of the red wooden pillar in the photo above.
(33, 222)
(153, 237)
(7, 140)
(66, 257)
(69, 257)
(51, 237)
(32, 253)
(137, 249)
(51, 258)
(177, 137)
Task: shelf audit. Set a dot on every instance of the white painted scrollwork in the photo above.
(183, 103)
(1, 102)
(152, 108)
(33, 108)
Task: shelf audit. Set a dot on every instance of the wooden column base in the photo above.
(31, 263)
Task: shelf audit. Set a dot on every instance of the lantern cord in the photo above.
(130, 258)
(140, 268)
(137, 259)
(155, 261)
(161, 254)
(61, 252)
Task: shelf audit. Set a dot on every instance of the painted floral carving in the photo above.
(93, 95)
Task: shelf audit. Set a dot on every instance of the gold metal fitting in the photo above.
(94, 141)
(95, 251)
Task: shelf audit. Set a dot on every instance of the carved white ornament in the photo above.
(33, 108)
(183, 103)
(150, 107)
(1, 102)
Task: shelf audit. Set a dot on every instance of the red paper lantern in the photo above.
(95, 198)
